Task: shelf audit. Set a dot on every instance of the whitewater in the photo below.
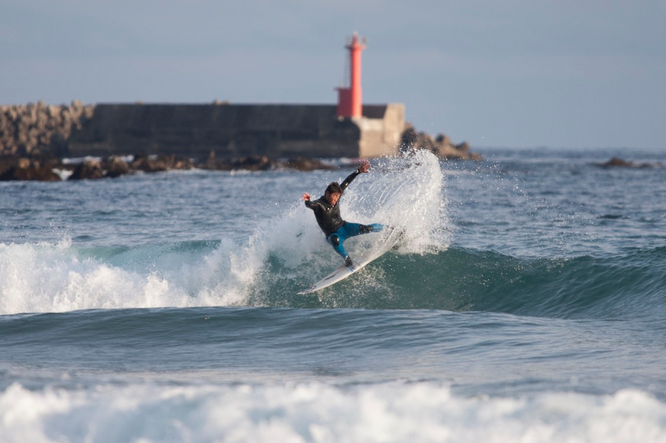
(524, 302)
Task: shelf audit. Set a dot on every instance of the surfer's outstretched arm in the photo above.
(365, 167)
(312, 204)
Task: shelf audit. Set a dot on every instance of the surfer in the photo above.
(327, 211)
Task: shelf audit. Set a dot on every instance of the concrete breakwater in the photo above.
(35, 137)
(195, 130)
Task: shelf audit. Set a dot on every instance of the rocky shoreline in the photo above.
(43, 168)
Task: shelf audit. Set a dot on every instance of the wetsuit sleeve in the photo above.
(312, 204)
(349, 179)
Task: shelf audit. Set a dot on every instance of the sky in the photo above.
(513, 73)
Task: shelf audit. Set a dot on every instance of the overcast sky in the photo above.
(513, 73)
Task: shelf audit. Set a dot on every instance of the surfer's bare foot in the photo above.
(348, 262)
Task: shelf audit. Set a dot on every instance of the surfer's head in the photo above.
(332, 194)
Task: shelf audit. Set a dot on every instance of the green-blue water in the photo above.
(526, 302)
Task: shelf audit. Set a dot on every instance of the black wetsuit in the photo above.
(328, 217)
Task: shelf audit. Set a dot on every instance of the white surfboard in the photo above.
(381, 247)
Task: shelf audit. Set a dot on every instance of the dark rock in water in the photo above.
(160, 163)
(253, 163)
(260, 163)
(463, 147)
(408, 140)
(147, 163)
(88, 170)
(115, 167)
(28, 169)
(213, 164)
(172, 161)
(617, 162)
(306, 164)
(182, 163)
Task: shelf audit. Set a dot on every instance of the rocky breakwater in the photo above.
(441, 145)
(36, 128)
(44, 168)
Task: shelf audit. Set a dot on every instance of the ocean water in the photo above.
(525, 302)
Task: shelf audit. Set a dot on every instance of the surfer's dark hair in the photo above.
(334, 188)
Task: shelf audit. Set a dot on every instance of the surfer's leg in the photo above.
(352, 229)
(358, 229)
(336, 239)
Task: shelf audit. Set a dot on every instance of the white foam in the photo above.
(316, 412)
(52, 278)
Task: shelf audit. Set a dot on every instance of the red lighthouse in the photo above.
(349, 99)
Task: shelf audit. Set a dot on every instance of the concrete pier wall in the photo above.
(238, 130)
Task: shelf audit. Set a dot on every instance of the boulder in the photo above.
(160, 163)
(173, 161)
(28, 169)
(408, 139)
(213, 164)
(306, 164)
(253, 163)
(148, 163)
(115, 167)
(463, 147)
(88, 170)
(617, 162)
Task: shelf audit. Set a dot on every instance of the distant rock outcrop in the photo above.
(306, 164)
(261, 163)
(115, 167)
(617, 162)
(28, 169)
(53, 169)
(88, 170)
(441, 146)
(160, 163)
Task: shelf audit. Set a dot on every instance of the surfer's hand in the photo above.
(365, 166)
(306, 197)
